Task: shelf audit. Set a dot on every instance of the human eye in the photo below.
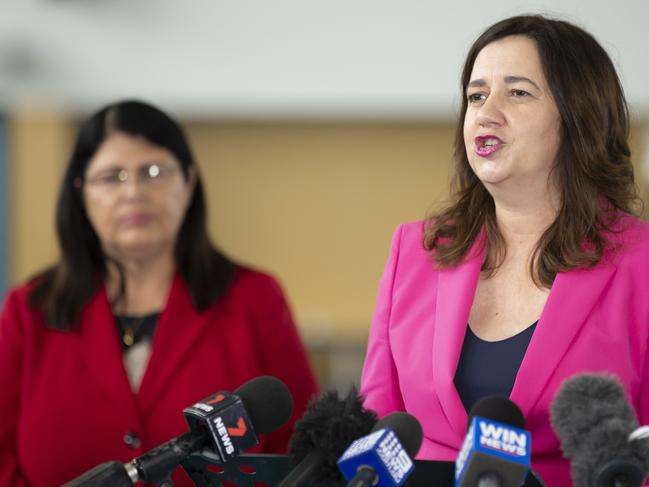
(518, 93)
(476, 98)
(108, 178)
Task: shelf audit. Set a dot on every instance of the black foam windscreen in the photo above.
(268, 402)
(500, 409)
(328, 426)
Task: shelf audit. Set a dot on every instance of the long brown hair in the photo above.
(593, 163)
(62, 291)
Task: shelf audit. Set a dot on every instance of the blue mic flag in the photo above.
(493, 448)
(382, 452)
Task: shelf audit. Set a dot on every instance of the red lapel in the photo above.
(179, 327)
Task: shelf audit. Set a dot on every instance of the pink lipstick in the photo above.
(485, 145)
(136, 219)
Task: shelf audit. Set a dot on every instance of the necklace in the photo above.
(130, 328)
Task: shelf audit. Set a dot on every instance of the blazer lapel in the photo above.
(571, 298)
(455, 294)
(103, 355)
(178, 329)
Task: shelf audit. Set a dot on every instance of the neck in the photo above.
(524, 225)
(147, 282)
(524, 216)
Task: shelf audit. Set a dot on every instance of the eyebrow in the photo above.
(508, 79)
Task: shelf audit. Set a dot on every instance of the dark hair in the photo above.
(63, 290)
(593, 161)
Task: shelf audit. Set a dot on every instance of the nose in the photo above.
(132, 186)
(490, 112)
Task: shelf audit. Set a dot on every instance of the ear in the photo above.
(192, 177)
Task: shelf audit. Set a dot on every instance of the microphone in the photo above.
(329, 424)
(105, 474)
(227, 423)
(497, 450)
(384, 457)
(594, 422)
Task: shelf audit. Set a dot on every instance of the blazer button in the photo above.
(132, 440)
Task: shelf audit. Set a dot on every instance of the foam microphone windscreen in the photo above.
(328, 426)
(593, 419)
(268, 402)
(498, 408)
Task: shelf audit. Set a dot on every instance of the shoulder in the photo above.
(251, 284)
(18, 296)
(630, 234)
(630, 242)
(408, 241)
(17, 311)
(412, 231)
(250, 279)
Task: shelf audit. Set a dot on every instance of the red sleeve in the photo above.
(11, 353)
(282, 355)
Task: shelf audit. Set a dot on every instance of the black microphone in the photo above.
(496, 451)
(594, 420)
(384, 457)
(103, 475)
(226, 423)
(328, 426)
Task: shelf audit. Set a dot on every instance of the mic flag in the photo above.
(227, 423)
(226, 420)
(494, 452)
(384, 457)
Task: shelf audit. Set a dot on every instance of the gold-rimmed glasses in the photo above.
(116, 177)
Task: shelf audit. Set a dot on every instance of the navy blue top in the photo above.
(143, 327)
(487, 368)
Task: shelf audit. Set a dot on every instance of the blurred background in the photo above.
(318, 126)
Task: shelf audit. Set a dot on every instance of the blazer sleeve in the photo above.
(282, 355)
(379, 381)
(643, 399)
(11, 353)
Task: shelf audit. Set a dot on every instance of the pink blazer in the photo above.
(594, 320)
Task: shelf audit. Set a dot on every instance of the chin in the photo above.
(140, 248)
(491, 180)
(490, 177)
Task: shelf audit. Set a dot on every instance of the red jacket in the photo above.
(65, 401)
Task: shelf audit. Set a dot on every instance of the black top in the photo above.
(487, 368)
(141, 327)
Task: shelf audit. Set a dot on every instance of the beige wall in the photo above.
(39, 144)
(313, 204)
(317, 204)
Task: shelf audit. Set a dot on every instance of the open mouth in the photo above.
(486, 145)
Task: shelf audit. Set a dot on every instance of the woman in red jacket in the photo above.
(140, 318)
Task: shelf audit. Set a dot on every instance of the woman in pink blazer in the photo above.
(140, 318)
(536, 270)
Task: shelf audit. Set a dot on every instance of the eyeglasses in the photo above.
(147, 175)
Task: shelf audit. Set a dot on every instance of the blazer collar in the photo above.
(103, 354)
(455, 292)
(179, 327)
(572, 296)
